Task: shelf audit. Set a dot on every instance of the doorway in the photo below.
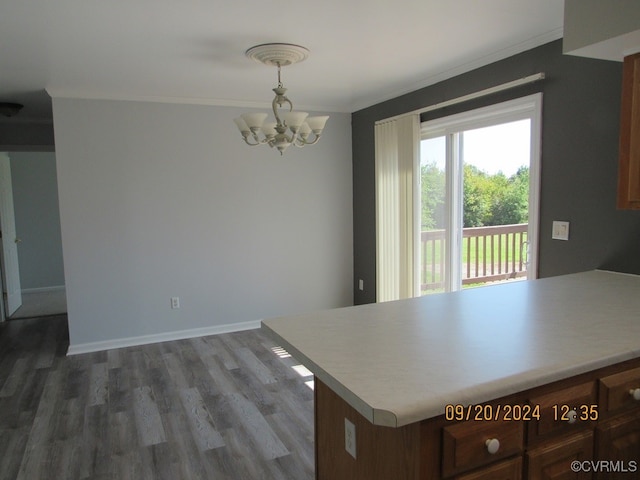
(11, 291)
(32, 178)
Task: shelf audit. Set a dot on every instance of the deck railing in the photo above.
(489, 254)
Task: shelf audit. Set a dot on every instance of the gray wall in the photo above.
(162, 200)
(35, 201)
(581, 108)
(19, 135)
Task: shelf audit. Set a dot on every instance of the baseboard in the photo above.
(161, 337)
(56, 288)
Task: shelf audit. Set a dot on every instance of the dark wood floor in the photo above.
(221, 407)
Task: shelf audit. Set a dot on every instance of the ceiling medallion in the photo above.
(290, 128)
(274, 54)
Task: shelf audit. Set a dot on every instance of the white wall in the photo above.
(161, 200)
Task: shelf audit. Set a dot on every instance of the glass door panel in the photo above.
(433, 219)
(475, 199)
(495, 203)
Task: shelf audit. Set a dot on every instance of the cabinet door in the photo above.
(629, 165)
(618, 442)
(553, 460)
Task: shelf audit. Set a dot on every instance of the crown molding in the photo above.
(214, 102)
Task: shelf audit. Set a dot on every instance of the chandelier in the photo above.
(290, 127)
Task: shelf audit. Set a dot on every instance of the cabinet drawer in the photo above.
(507, 470)
(465, 445)
(555, 406)
(617, 391)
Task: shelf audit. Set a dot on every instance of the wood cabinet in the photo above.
(618, 441)
(552, 460)
(618, 434)
(620, 391)
(507, 470)
(556, 407)
(563, 433)
(629, 161)
(466, 445)
(540, 447)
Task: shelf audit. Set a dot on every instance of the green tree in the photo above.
(433, 196)
(495, 199)
(511, 204)
(476, 197)
(487, 199)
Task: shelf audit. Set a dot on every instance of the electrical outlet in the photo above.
(175, 302)
(350, 438)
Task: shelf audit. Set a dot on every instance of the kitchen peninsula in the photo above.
(407, 375)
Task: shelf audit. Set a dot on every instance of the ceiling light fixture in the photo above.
(292, 128)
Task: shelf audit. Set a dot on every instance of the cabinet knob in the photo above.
(635, 393)
(572, 416)
(493, 445)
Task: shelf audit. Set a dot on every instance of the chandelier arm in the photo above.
(301, 142)
(315, 140)
(256, 139)
(278, 101)
(274, 106)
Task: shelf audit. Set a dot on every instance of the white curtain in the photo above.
(397, 211)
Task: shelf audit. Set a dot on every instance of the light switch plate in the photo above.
(560, 231)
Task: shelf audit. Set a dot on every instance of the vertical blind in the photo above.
(397, 150)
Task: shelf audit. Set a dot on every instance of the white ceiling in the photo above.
(192, 51)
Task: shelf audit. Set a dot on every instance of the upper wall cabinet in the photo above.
(629, 169)
(611, 31)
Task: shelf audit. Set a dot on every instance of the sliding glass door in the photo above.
(479, 174)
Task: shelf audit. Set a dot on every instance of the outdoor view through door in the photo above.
(479, 188)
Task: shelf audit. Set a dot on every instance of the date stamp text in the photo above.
(520, 412)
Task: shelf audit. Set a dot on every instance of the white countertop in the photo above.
(401, 362)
